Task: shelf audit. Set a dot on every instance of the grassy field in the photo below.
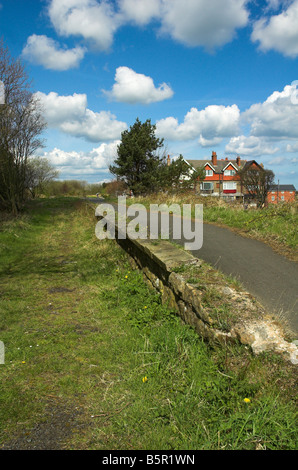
(94, 361)
(274, 225)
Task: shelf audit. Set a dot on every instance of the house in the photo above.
(281, 193)
(222, 177)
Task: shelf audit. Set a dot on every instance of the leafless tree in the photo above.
(21, 124)
(257, 181)
(39, 172)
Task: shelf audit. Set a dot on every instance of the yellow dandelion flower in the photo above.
(126, 277)
(246, 400)
(23, 362)
(145, 379)
(145, 306)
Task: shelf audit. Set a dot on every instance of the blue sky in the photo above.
(213, 75)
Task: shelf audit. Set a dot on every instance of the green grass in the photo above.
(82, 331)
(275, 224)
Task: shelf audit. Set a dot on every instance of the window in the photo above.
(282, 198)
(206, 186)
(272, 198)
(229, 185)
(209, 173)
(229, 172)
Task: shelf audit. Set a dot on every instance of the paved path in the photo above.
(268, 276)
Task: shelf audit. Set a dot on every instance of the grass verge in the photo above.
(94, 361)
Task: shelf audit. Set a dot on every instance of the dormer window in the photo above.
(229, 172)
(209, 173)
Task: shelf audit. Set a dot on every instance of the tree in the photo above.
(138, 163)
(179, 176)
(257, 182)
(115, 188)
(21, 123)
(39, 173)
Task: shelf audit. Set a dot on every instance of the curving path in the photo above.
(268, 276)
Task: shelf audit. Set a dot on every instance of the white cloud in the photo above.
(45, 51)
(71, 115)
(95, 127)
(131, 87)
(92, 20)
(276, 117)
(140, 12)
(58, 109)
(202, 22)
(249, 146)
(99, 158)
(279, 32)
(191, 22)
(209, 142)
(209, 125)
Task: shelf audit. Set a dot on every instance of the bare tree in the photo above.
(39, 173)
(257, 181)
(21, 124)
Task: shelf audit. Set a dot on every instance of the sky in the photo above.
(211, 75)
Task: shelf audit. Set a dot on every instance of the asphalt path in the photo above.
(268, 276)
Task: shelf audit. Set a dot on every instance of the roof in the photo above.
(247, 164)
(282, 187)
(221, 164)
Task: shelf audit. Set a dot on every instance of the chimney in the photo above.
(214, 158)
(238, 160)
(169, 160)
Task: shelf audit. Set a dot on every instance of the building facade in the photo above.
(223, 180)
(281, 193)
(222, 177)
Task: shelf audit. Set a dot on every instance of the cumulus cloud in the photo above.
(92, 20)
(191, 22)
(99, 158)
(276, 117)
(249, 146)
(71, 115)
(58, 108)
(95, 127)
(209, 125)
(201, 22)
(279, 32)
(131, 87)
(47, 52)
(140, 12)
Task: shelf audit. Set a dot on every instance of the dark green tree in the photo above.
(139, 162)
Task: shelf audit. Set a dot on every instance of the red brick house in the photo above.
(222, 177)
(281, 193)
